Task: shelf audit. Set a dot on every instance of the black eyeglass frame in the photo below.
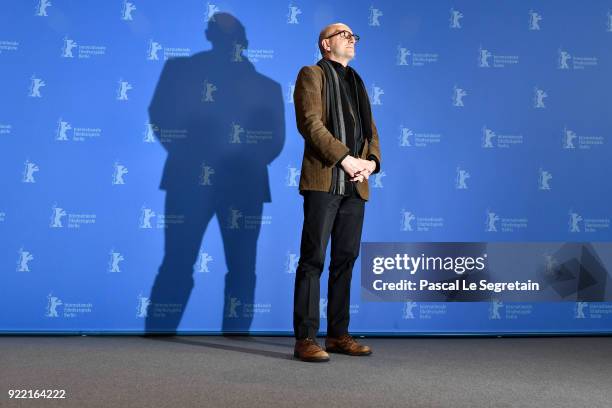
(355, 36)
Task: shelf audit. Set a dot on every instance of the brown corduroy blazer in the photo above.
(321, 149)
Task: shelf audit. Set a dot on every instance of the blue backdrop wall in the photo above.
(150, 158)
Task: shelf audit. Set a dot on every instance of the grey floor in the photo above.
(211, 371)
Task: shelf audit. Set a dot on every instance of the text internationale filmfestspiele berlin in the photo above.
(412, 265)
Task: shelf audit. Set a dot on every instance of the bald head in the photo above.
(329, 30)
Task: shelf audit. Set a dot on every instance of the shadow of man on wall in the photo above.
(222, 124)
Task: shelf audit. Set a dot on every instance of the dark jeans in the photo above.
(342, 217)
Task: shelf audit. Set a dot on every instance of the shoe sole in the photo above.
(311, 359)
(339, 351)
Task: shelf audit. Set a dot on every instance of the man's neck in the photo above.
(342, 61)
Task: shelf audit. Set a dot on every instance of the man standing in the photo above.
(341, 151)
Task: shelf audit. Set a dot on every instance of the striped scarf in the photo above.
(335, 116)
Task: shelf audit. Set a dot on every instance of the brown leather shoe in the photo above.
(308, 350)
(345, 344)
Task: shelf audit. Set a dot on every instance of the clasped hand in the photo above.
(358, 169)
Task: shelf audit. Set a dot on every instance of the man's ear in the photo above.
(325, 43)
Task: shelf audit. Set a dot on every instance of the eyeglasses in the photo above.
(346, 35)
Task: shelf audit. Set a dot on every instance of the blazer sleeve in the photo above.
(374, 148)
(308, 112)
